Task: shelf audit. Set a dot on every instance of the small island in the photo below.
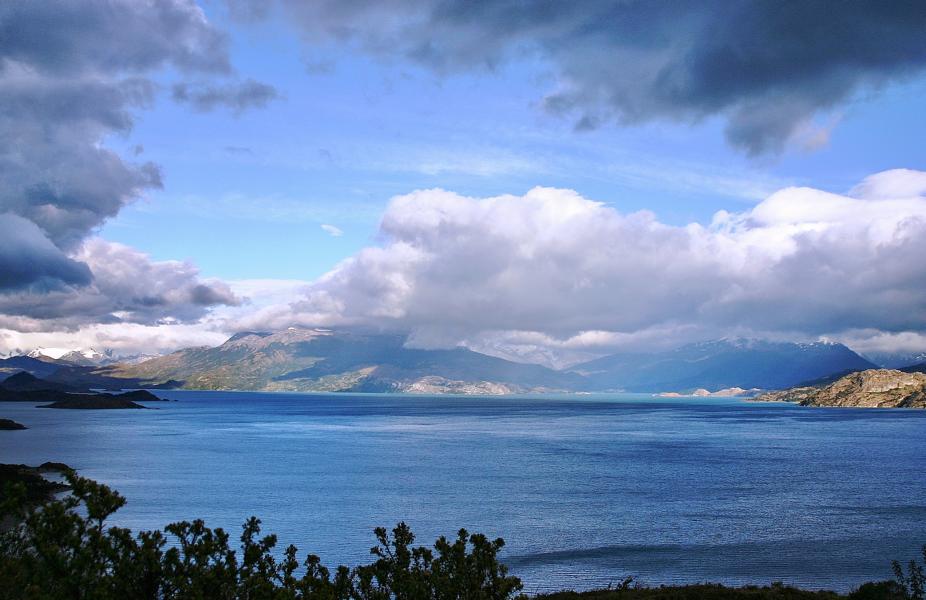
(92, 402)
(11, 425)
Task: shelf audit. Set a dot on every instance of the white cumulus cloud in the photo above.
(554, 269)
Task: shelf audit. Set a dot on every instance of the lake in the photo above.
(584, 489)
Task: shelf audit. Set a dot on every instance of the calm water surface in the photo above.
(584, 489)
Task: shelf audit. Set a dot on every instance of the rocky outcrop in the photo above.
(874, 388)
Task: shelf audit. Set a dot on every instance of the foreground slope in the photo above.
(722, 364)
(323, 360)
(874, 388)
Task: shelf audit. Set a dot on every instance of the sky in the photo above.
(541, 181)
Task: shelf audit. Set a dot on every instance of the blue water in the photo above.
(584, 489)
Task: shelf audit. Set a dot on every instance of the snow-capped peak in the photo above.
(70, 354)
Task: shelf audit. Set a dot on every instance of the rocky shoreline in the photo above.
(874, 388)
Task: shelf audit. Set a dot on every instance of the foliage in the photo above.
(64, 549)
(913, 581)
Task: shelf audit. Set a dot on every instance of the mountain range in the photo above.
(323, 360)
(896, 360)
(344, 361)
(722, 364)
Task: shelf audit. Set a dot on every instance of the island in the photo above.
(11, 425)
(93, 402)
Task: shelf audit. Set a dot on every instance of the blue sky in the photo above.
(245, 195)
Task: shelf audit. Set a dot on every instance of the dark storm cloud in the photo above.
(55, 173)
(237, 97)
(27, 258)
(73, 73)
(66, 36)
(766, 66)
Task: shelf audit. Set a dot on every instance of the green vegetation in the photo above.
(63, 548)
(914, 580)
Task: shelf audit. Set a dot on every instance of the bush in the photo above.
(878, 590)
(913, 581)
(63, 549)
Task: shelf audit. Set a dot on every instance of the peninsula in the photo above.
(873, 388)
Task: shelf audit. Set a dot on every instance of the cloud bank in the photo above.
(551, 269)
(767, 67)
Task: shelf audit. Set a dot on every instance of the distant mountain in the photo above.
(324, 360)
(84, 357)
(918, 368)
(39, 367)
(896, 360)
(27, 382)
(722, 364)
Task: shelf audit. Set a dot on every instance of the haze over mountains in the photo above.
(723, 364)
(345, 361)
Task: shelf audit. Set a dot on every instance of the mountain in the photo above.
(722, 364)
(874, 388)
(324, 360)
(81, 357)
(39, 367)
(27, 382)
(889, 360)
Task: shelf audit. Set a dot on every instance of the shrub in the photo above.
(63, 549)
(913, 581)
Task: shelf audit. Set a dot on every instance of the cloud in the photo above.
(765, 67)
(64, 37)
(72, 74)
(129, 338)
(29, 259)
(552, 265)
(332, 230)
(57, 174)
(126, 286)
(237, 97)
(239, 150)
